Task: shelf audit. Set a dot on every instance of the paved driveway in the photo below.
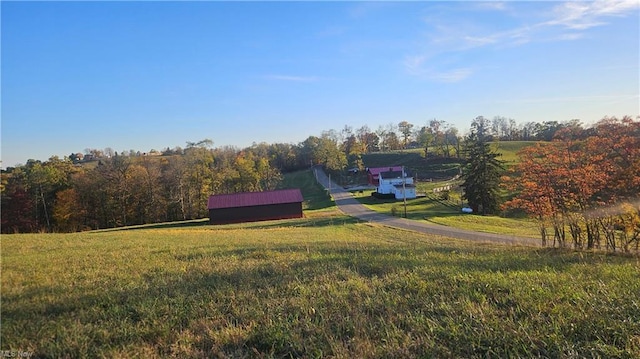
(350, 206)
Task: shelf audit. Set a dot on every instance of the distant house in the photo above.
(397, 183)
(373, 174)
(255, 206)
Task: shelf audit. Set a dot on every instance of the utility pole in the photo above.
(404, 192)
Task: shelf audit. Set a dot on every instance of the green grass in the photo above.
(448, 213)
(437, 168)
(417, 209)
(315, 196)
(489, 224)
(318, 287)
(510, 149)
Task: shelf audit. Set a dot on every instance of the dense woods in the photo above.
(119, 190)
(580, 183)
(104, 189)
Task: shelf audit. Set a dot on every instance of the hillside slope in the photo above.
(310, 288)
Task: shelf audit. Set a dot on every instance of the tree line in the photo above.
(104, 188)
(583, 187)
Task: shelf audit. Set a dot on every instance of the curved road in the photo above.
(350, 206)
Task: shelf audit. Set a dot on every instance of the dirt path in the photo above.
(350, 206)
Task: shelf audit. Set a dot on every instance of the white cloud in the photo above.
(476, 41)
(564, 22)
(585, 15)
(573, 15)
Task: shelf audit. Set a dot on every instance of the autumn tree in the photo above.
(368, 139)
(198, 178)
(424, 137)
(391, 141)
(285, 157)
(388, 136)
(68, 211)
(579, 182)
(324, 151)
(17, 207)
(43, 180)
(406, 130)
(174, 189)
(539, 179)
(614, 147)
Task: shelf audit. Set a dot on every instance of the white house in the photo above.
(397, 183)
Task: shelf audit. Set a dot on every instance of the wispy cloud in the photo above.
(415, 64)
(573, 16)
(567, 21)
(454, 75)
(419, 66)
(577, 15)
(292, 78)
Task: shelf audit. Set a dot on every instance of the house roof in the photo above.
(377, 170)
(393, 174)
(249, 199)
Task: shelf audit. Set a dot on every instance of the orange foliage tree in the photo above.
(568, 184)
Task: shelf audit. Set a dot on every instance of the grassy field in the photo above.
(315, 287)
(438, 168)
(509, 149)
(448, 213)
(414, 161)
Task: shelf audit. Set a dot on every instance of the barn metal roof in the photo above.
(248, 199)
(376, 170)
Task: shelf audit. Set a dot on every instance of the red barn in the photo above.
(373, 174)
(255, 206)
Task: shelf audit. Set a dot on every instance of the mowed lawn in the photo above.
(317, 287)
(447, 213)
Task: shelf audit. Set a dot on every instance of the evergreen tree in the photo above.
(481, 174)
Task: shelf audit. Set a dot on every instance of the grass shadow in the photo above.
(164, 225)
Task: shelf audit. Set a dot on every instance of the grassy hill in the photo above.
(438, 168)
(509, 149)
(315, 287)
(315, 196)
(414, 160)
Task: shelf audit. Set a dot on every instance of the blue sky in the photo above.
(151, 75)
